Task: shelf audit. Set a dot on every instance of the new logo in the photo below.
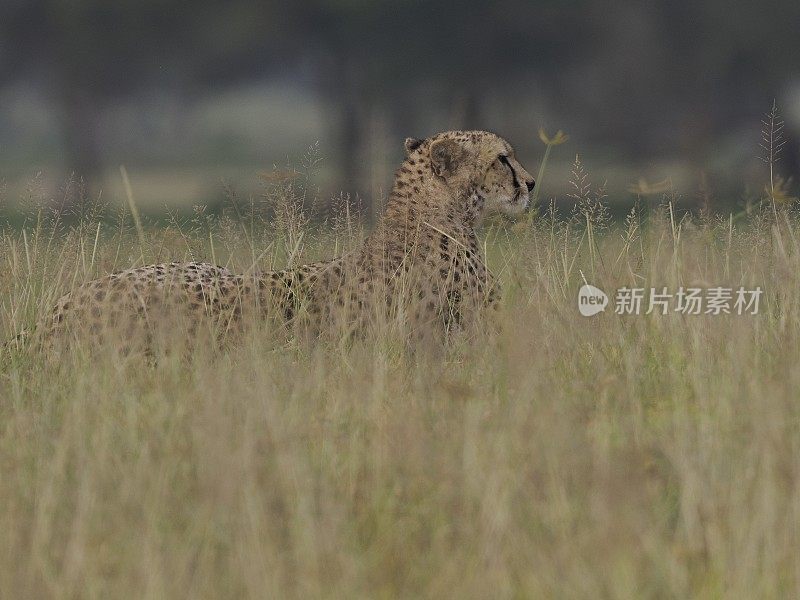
(591, 300)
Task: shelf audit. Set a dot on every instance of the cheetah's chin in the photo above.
(520, 202)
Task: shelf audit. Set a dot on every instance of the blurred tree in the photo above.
(92, 52)
(401, 58)
(645, 77)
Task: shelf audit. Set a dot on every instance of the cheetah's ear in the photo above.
(412, 144)
(446, 156)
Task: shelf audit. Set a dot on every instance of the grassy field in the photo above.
(613, 456)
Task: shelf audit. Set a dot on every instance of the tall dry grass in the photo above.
(615, 456)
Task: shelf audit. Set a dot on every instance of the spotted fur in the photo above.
(422, 264)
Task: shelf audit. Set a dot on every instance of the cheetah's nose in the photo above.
(531, 184)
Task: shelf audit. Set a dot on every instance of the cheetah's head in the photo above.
(480, 161)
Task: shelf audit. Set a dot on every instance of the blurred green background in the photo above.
(188, 95)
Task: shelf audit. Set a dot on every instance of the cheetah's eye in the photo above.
(503, 158)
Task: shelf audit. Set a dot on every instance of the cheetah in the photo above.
(422, 263)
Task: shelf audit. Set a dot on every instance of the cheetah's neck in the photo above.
(421, 201)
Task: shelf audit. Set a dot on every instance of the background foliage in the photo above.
(175, 89)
